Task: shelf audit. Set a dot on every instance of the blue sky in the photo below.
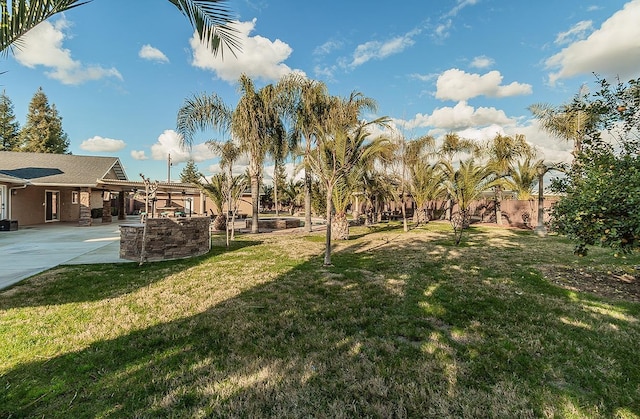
(118, 70)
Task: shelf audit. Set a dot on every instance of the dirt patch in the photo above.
(618, 285)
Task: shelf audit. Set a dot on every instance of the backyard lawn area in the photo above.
(507, 324)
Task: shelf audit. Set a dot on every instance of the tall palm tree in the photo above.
(254, 123)
(569, 122)
(211, 19)
(310, 104)
(503, 151)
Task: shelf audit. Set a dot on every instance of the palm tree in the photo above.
(257, 123)
(310, 105)
(452, 145)
(343, 192)
(411, 153)
(465, 185)
(215, 190)
(427, 185)
(524, 177)
(229, 153)
(210, 18)
(341, 144)
(294, 194)
(569, 122)
(378, 187)
(503, 151)
(254, 124)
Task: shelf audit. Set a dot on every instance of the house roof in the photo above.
(12, 179)
(59, 169)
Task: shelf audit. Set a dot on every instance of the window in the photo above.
(74, 197)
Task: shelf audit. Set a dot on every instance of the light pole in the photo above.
(540, 229)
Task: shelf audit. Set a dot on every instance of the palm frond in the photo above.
(211, 19)
(202, 112)
(24, 15)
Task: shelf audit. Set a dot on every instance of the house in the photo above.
(37, 188)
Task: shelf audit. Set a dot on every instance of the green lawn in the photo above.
(403, 325)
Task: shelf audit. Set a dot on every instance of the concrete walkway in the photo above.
(34, 249)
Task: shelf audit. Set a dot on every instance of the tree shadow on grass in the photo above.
(382, 333)
(84, 283)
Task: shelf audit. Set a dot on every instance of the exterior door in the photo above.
(3, 202)
(52, 206)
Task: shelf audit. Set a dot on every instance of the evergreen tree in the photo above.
(43, 131)
(190, 173)
(9, 127)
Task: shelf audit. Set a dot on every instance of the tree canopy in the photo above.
(601, 205)
(43, 131)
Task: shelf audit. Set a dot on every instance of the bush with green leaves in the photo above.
(601, 203)
(602, 206)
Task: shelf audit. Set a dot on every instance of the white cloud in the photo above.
(43, 46)
(455, 84)
(442, 30)
(482, 61)
(423, 77)
(327, 48)
(138, 155)
(170, 142)
(446, 22)
(459, 117)
(461, 5)
(98, 143)
(150, 53)
(551, 149)
(577, 32)
(379, 50)
(612, 50)
(325, 72)
(260, 57)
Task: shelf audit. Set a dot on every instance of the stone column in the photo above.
(106, 208)
(85, 207)
(121, 213)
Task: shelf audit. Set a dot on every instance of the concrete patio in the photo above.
(34, 249)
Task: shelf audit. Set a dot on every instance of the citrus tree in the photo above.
(601, 193)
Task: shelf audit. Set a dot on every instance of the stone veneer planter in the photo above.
(165, 239)
(276, 223)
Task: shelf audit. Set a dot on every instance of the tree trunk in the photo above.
(275, 193)
(420, 216)
(498, 202)
(405, 224)
(220, 222)
(307, 200)
(340, 227)
(255, 199)
(327, 250)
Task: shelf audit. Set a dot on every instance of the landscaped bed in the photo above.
(403, 324)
